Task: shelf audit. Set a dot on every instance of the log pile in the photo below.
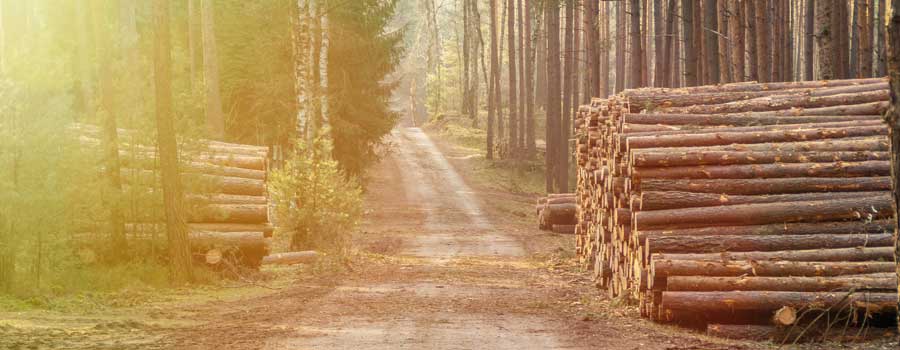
(556, 213)
(727, 203)
(227, 205)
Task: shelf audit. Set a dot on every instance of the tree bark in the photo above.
(110, 137)
(652, 200)
(605, 47)
(809, 39)
(215, 118)
(659, 35)
(834, 227)
(825, 40)
(750, 33)
(769, 171)
(177, 232)
(865, 38)
(621, 22)
(551, 13)
(668, 268)
(763, 52)
(513, 141)
(769, 186)
(764, 213)
(715, 243)
(771, 301)
(690, 53)
(880, 282)
(736, 32)
(637, 59)
(528, 93)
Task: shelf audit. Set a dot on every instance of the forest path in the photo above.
(460, 279)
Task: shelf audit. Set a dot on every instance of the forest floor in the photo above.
(447, 259)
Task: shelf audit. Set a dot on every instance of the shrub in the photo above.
(315, 201)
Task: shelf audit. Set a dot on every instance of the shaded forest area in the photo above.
(135, 135)
(499, 57)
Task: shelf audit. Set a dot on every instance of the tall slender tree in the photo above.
(763, 52)
(528, 93)
(620, 45)
(637, 59)
(711, 41)
(521, 64)
(865, 38)
(605, 44)
(107, 113)
(825, 40)
(690, 53)
(493, 83)
(179, 248)
(809, 39)
(215, 118)
(659, 36)
(736, 33)
(554, 139)
(513, 105)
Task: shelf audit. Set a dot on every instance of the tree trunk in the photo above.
(605, 47)
(493, 84)
(769, 186)
(714, 244)
(809, 39)
(637, 66)
(522, 98)
(661, 268)
(690, 53)
(177, 232)
(736, 33)
(712, 302)
(465, 60)
(215, 118)
(764, 213)
(621, 22)
(882, 38)
(722, 23)
(551, 13)
(880, 282)
(892, 117)
(854, 33)
(194, 43)
(110, 138)
(593, 46)
(750, 33)
(528, 93)
(834, 227)
(763, 59)
(513, 141)
(562, 157)
(291, 258)
(844, 35)
(659, 35)
(865, 38)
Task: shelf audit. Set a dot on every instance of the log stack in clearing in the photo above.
(556, 213)
(727, 203)
(227, 200)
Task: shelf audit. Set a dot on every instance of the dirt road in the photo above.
(440, 267)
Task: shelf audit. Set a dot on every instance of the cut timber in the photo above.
(236, 185)
(802, 228)
(770, 301)
(767, 213)
(840, 254)
(881, 281)
(877, 143)
(246, 247)
(770, 186)
(227, 199)
(560, 214)
(291, 258)
(661, 267)
(738, 137)
(706, 157)
(785, 316)
(736, 119)
(653, 200)
(775, 103)
(755, 171)
(711, 244)
(793, 334)
(564, 229)
(230, 213)
(266, 229)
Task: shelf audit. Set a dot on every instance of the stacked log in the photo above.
(556, 212)
(227, 205)
(737, 200)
